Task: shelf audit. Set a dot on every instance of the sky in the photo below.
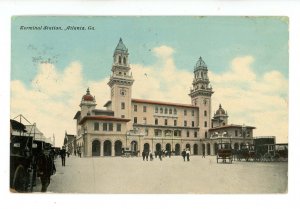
(247, 59)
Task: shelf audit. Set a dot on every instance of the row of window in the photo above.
(107, 127)
(135, 121)
(162, 110)
(177, 133)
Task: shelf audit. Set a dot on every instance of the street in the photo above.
(118, 175)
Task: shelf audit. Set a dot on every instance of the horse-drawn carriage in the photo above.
(224, 152)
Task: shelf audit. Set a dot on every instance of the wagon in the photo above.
(224, 153)
(248, 152)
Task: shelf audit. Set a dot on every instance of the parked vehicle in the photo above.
(224, 153)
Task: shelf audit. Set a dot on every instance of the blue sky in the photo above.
(247, 58)
(216, 39)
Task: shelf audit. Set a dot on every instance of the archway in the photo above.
(107, 148)
(208, 149)
(96, 148)
(118, 148)
(177, 149)
(168, 147)
(188, 146)
(158, 147)
(146, 147)
(133, 146)
(236, 146)
(195, 149)
(215, 148)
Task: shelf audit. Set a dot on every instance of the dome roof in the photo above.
(200, 65)
(220, 111)
(88, 96)
(121, 47)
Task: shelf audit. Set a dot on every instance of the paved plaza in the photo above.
(118, 175)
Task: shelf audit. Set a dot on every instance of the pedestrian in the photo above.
(188, 154)
(79, 153)
(183, 153)
(45, 168)
(143, 155)
(68, 154)
(155, 153)
(203, 153)
(63, 156)
(147, 155)
(160, 155)
(169, 154)
(75, 152)
(151, 155)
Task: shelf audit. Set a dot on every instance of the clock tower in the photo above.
(121, 82)
(201, 96)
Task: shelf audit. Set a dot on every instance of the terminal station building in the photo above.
(140, 124)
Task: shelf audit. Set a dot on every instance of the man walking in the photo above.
(188, 154)
(183, 153)
(63, 156)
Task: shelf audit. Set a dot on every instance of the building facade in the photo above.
(139, 124)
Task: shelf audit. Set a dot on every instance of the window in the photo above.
(236, 132)
(120, 60)
(157, 132)
(175, 122)
(185, 123)
(145, 120)
(135, 120)
(144, 109)
(156, 109)
(166, 122)
(118, 126)
(170, 111)
(156, 121)
(184, 112)
(177, 133)
(205, 134)
(205, 123)
(104, 126)
(123, 105)
(205, 113)
(96, 126)
(175, 112)
(111, 127)
(193, 112)
(161, 110)
(146, 132)
(135, 108)
(122, 116)
(187, 134)
(166, 110)
(193, 123)
(195, 134)
(124, 61)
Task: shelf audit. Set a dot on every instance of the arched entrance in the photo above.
(215, 148)
(118, 148)
(203, 149)
(177, 149)
(168, 147)
(96, 148)
(195, 149)
(208, 149)
(107, 148)
(133, 146)
(236, 146)
(146, 147)
(188, 146)
(158, 147)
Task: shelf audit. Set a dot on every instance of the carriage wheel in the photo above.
(20, 179)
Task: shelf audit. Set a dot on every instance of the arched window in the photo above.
(170, 111)
(166, 110)
(124, 61)
(120, 60)
(161, 110)
(175, 112)
(205, 113)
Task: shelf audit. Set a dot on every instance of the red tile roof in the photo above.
(105, 118)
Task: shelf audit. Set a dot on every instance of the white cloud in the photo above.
(53, 97)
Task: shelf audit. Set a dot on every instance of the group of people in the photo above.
(77, 152)
(186, 154)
